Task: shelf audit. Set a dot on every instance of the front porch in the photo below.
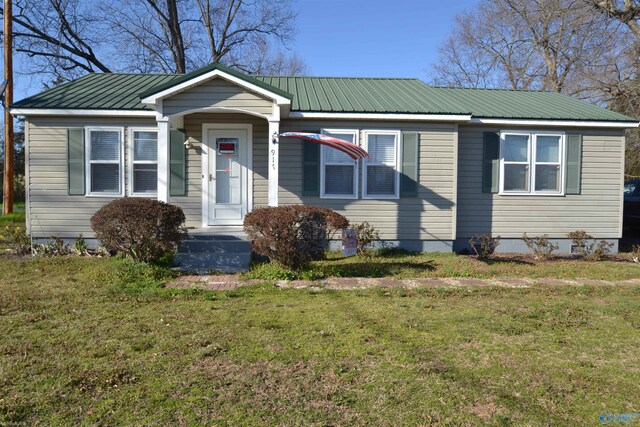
(218, 159)
(223, 127)
(220, 188)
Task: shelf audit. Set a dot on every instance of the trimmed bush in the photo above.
(367, 235)
(140, 228)
(484, 245)
(292, 235)
(540, 245)
(587, 247)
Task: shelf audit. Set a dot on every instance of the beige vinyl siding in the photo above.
(51, 210)
(596, 210)
(192, 202)
(428, 216)
(217, 93)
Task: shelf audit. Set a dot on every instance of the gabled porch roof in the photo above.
(182, 81)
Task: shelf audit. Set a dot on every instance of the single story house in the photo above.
(446, 163)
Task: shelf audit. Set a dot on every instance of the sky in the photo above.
(374, 38)
(363, 38)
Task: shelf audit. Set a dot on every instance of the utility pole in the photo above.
(7, 205)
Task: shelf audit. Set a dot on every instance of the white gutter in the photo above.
(80, 112)
(560, 123)
(380, 116)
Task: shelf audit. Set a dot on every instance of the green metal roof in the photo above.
(97, 92)
(361, 95)
(330, 94)
(377, 95)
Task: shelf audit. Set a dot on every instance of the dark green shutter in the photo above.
(310, 168)
(410, 158)
(177, 164)
(491, 162)
(573, 168)
(75, 161)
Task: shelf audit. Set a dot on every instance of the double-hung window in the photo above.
(338, 171)
(105, 161)
(532, 163)
(143, 161)
(381, 179)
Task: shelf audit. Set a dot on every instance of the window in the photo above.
(532, 163)
(143, 161)
(381, 179)
(338, 171)
(105, 161)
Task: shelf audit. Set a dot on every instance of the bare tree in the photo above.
(528, 44)
(60, 37)
(234, 28)
(627, 12)
(149, 34)
(262, 59)
(621, 90)
(68, 38)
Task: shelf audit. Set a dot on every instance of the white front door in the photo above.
(228, 175)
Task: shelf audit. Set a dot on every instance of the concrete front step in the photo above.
(204, 263)
(210, 246)
(204, 253)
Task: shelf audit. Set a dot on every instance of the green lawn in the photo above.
(401, 265)
(101, 342)
(16, 217)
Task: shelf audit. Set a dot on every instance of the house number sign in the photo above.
(273, 159)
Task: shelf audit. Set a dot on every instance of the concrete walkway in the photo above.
(230, 282)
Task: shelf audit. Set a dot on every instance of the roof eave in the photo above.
(25, 111)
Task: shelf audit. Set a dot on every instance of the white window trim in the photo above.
(396, 167)
(88, 161)
(323, 148)
(531, 153)
(130, 161)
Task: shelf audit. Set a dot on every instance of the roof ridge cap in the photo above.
(497, 89)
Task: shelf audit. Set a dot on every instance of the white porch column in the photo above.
(274, 160)
(163, 159)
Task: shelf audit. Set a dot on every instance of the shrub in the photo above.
(587, 247)
(540, 245)
(484, 245)
(80, 246)
(367, 235)
(635, 253)
(56, 247)
(18, 238)
(292, 235)
(140, 228)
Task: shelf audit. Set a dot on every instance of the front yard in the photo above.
(101, 341)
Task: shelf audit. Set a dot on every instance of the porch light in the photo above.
(188, 144)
